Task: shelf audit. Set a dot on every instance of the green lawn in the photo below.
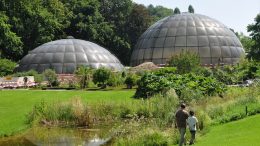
(15, 104)
(244, 132)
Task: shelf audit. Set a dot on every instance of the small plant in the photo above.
(131, 81)
(84, 74)
(101, 76)
(185, 62)
(6, 67)
(51, 77)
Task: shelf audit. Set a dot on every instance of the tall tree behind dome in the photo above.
(159, 12)
(254, 30)
(138, 21)
(32, 23)
(191, 9)
(176, 11)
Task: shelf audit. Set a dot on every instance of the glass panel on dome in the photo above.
(191, 31)
(158, 52)
(192, 41)
(204, 52)
(180, 41)
(181, 31)
(201, 31)
(215, 51)
(225, 51)
(159, 42)
(203, 41)
(172, 32)
(169, 41)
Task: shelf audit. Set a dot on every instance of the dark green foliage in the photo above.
(200, 86)
(185, 62)
(115, 79)
(131, 80)
(166, 71)
(191, 9)
(6, 67)
(246, 42)
(139, 20)
(51, 77)
(101, 76)
(254, 30)
(32, 23)
(85, 74)
(37, 77)
(176, 11)
(159, 12)
(234, 74)
(10, 43)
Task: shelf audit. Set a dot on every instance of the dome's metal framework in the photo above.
(211, 40)
(65, 55)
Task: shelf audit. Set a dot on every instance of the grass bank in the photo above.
(238, 133)
(15, 104)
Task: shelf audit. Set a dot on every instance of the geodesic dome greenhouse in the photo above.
(214, 42)
(65, 55)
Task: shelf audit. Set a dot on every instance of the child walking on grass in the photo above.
(192, 123)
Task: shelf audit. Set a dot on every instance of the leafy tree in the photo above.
(131, 80)
(191, 9)
(159, 12)
(176, 11)
(51, 77)
(254, 30)
(6, 67)
(246, 42)
(185, 62)
(101, 76)
(138, 21)
(115, 79)
(85, 74)
(10, 43)
(34, 22)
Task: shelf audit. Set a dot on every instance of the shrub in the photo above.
(131, 81)
(115, 80)
(101, 76)
(185, 62)
(151, 84)
(6, 67)
(84, 74)
(51, 77)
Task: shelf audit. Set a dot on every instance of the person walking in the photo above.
(181, 116)
(192, 123)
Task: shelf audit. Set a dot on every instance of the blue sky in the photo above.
(236, 14)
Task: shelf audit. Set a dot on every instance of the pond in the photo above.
(41, 136)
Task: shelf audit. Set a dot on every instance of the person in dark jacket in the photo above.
(181, 116)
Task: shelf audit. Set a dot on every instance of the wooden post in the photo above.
(246, 111)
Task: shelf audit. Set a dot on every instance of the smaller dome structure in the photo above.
(65, 55)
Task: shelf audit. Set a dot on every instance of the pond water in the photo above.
(42, 136)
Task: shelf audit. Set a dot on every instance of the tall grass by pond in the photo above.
(149, 122)
(133, 122)
(15, 104)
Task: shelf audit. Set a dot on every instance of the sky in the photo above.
(235, 14)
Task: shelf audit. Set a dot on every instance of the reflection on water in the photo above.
(42, 136)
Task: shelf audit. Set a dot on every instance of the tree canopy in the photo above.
(176, 11)
(254, 30)
(191, 9)
(113, 24)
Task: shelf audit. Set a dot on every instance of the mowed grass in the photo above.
(15, 104)
(244, 132)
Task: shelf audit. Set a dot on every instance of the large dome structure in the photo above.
(65, 55)
(214, 42)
